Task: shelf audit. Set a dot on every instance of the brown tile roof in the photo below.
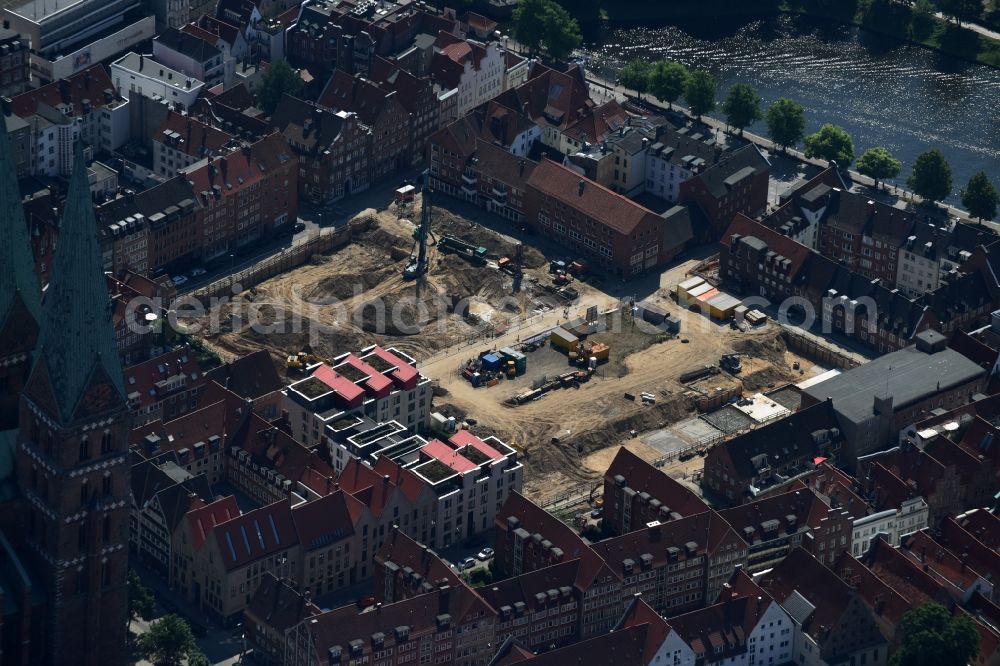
(803, 506)
(704, 532)
(983, 525)
(255, 535)
(979, 556)
(802, 573)
(278, 604)
(884, 600)
(944, 565)
(203, 519)
(152, 379)
(503, 166)
(643, 477)
(727, 625)
(197, 139)
(344, 92)
(405, 552)
(89, 84)
(341, 626)
(185, 431)
(274, 449)
(886, 569)
(609, 208)
(242, 170)
(745, 227)
(622, 647)
(523, 588)
(326, 520)
(252, 376)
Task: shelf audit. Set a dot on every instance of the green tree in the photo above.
(980, 197)
(922, 20)
(742, 106)
(141, 604)
(879, 164)
(699, 92)
(831, 143)
(636, 75)
(538, 23)
(961, 10)
(931, 176)
(668, 80)
(198, 658)
(786, 122)
(168, 642)
(279, 79)
(934, 637)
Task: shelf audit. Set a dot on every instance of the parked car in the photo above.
(297, 227)
(178, 280)
(467, 563)
(485, 554)
(597, 513)
(198, 271)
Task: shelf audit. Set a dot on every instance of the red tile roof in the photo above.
(197, 139)
(89, 84)
(609, 208)
(239, 170)
(444, 454)
(643, 477)
(776, 242)
(255, 535)
(466, 438)
(343, 387)
(983, 525)
(403, 551)
(202, 520)
(403, 371)
(155, 379)
(326, 520)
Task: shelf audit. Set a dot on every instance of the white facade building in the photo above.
(135, 72)
(894, 523)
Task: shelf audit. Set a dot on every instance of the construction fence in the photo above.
(289, 258)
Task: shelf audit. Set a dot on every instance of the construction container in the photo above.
(672, 324)
(519, 359)
(600, 351)
(503, 262)
(563, 339)
(492, 361)
(592, 364)
(577, 268)
(476, 379)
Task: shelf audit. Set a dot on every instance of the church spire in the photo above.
(17, 277)
(77, 355)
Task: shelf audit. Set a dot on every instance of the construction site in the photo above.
(560, 376)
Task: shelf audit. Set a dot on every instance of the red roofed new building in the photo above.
(382, 383)
(607, 228)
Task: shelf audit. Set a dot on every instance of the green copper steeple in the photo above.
(78, 372)
(17, 265)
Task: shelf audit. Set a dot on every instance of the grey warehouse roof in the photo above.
(908, 375)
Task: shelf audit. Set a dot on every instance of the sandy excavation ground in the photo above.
(567, 437)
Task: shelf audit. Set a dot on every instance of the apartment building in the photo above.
(190, 54)
(476, 70)
(165, 387)
(14, 56)
(606, 228)
(737, 183)
(255, 379)
(382, 384)
(197, 438)
(182, 140)
(134, 72)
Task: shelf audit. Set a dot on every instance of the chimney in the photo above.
(224, 166)
(582, 185)
(444, 596)
(520, 168)
(142, 61)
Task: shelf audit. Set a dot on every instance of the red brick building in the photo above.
(333, 148)
(736, 184)
(636, 493)
(607, 229)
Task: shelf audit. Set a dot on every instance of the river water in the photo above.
(900, 96)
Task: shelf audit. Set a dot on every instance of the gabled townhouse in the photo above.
(255, 379)
(559, 104)
(197, 437)
(953, 555)
(182, 140)
(450, 625)
(245, 196)
(774, 526)
(476, 70)
(737, 183)
(636, 494)
(381, 111)
(189, 538)
(981, 525)
(528, 539)
(897, 474)
(888, 516)
(228, 38)
(772, 456)
(160, 495)
(333, 149)
(83, 106)
(420, 97)
(677, 566)
(969, 450)
(832, 624)
(276, 607)
(405, 568)
(164, 387)
(744, 626)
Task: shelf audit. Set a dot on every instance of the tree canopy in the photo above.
(961, 10)
(667, 81)
(636, 74)
(168, 642)
(279, 79)
(538, 23)
(742, 106)
(931, 176)
(980, 197)
(699, 92)
(786, 122)
(878, 164)
(831, 143)
(934, 637)
(141, 603)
